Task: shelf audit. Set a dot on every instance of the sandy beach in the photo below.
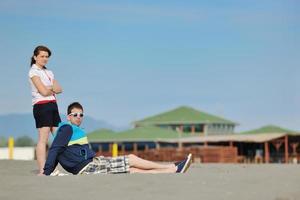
(202, 181)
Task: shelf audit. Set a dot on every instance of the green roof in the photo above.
(102, 133)
(148, 133)
(269, 129)
(183, 115)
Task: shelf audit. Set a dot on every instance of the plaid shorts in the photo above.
(107, 165)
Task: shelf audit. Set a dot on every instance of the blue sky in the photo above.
(126, 60)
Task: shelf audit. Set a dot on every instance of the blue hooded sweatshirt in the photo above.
(70, 148)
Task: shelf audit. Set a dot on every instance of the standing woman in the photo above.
(45, 111)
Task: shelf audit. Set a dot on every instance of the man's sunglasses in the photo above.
(76, 114)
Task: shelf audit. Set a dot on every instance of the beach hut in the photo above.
(284, 148)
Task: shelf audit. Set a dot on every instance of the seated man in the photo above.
(70, 148)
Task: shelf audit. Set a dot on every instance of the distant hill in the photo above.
(23, 124)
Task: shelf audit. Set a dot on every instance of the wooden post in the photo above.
(179, 145)
(193, 129)
(181, 128)
(231, 144)
(157, 146)
(110, 148)
(277, 145)
(267, 156)
(100, 148)
(294, 146)
(294, 153)
(123, 149)
(286, 149)
(205, 129)
(135, 147)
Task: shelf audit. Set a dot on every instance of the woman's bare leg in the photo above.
(41, 147)
(139, 163)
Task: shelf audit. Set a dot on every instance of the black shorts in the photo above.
(46, 115)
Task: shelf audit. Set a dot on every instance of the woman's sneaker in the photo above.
(183, 166)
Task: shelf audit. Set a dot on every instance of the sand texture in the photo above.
(202, 182)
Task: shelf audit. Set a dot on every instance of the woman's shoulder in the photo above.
(33, 68)
(33, 72)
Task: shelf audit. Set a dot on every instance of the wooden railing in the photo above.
(217, 154)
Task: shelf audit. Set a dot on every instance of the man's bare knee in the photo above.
(132, 156)
(132, 159)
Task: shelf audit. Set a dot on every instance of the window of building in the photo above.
(187, 128)
(199, 128)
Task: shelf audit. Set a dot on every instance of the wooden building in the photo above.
(171, 135)
(158, 144)
(188, 120)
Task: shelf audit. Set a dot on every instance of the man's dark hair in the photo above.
(74, 105)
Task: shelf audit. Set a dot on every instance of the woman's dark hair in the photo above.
(36, 52)
(74, 105)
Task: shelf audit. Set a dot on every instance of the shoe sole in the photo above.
(187, 164)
